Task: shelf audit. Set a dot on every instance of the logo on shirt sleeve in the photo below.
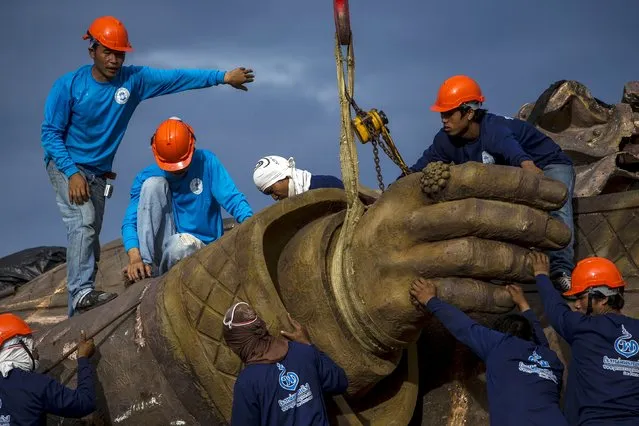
(122, 95)
(196, 186)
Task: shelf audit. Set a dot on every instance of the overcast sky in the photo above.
(404, 50)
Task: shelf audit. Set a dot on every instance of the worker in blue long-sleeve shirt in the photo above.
(284, 379)
(523, 374)
(603, 376)
(26, 397)
(470, 133)
(175, 206)
(85, 118)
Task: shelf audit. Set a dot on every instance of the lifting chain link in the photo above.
(378, 168)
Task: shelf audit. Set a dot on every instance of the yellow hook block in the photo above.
(371, 122)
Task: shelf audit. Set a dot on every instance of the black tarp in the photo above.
(23, 266)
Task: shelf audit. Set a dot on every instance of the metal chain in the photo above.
(378, 168)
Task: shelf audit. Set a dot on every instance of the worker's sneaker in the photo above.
(563, 282)
(94, 299)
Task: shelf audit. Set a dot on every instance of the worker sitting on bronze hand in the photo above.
(470, 133)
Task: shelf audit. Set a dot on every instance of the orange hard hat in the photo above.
(594, 272)
(110, 33)
(11, 326)
(456, 91)
(173, 144)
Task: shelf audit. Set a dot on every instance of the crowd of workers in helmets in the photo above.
(86, 116)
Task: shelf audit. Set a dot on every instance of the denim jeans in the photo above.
(563, 261)
(83, 225)
(160, 245)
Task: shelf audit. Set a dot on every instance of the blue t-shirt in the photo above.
(523, 379)
(27, 397)
(502, 140)
(603, 377)
(197, 199)
(85, 120)
(289, 392)
(325, 181)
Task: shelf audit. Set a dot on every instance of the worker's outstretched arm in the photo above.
(57, 113)
(564, 320)
(433, 153)
(225, 191)
(478, 338)
(75, 403)
(517, 293)
(153, 82)
(423, 161)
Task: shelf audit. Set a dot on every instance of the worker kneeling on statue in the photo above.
(283, 381)
(279, 178)
(175, 206)
(26, 397)
(523, 374)
(603, 376)
(470, 133)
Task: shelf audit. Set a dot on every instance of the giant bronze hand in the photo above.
(463, 227)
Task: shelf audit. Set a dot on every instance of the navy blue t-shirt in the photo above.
(603, 377)
(502, 140)
(523, 379)
(325, 181)
(289, 392)
(27, 397)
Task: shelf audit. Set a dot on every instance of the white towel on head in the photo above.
(13, 355)
(273, 168)
(300, 181)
